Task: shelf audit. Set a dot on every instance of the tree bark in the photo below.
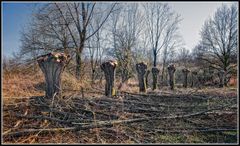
(154, 58)
(155, 72)
(171, 70)
(78, 57)
(221, 75)
(194, 79)
(52, 65)
(78, 65)
(163, 70)
(225, 77)
(146, 77)
(109, 71)
(141, 70)
(185, 72)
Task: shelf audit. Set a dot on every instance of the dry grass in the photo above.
(22, 84)
(31, 83)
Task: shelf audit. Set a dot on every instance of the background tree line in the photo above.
(129, 32)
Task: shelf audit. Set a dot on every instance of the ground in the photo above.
(84, 115)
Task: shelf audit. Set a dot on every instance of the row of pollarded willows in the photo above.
(52, 65)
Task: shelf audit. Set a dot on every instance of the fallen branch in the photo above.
(99, 124)
(191, 131)
(73, 121)
(26, 97)
(115, 122)
(30, 131)
(190, 96)
(44, 118)
(144, 103)
(81, 111)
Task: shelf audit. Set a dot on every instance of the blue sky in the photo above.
(16, 15)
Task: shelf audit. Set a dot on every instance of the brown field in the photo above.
(84, 115)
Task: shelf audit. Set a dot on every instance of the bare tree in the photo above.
(219, 40)
(125, 31)
(142, 51)
(81, 14)
(64, 26)
(45, 33)
(184, 56)
(168, 53)
(162, 25)
(96, 47)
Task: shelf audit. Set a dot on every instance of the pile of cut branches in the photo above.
(125, 118)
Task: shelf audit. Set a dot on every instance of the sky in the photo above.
(15, 16)
(194, 15)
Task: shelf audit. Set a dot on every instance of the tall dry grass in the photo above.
(29, 82)
(21, 83)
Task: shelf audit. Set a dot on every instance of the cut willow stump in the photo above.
(155, 72)
(52, 65)
(171, 70)
(185, 72)
(141, 70)
(108, 68)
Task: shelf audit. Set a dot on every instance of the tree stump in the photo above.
(194, 78)
(146, 77)
(185, 72)
(52, 65)
(155, 72)
(171, 70)
(108, 68)
(221, 75)
(141, 70)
